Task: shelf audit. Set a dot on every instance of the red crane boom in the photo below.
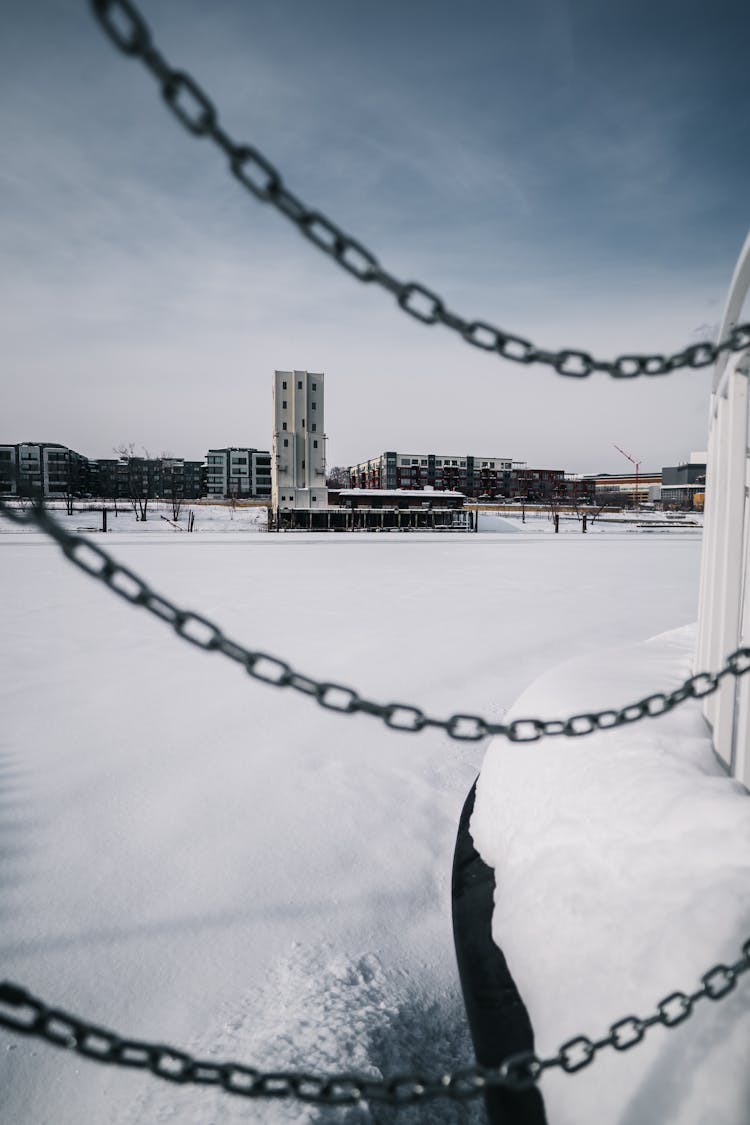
(637, 464)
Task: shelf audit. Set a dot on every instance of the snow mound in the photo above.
(322, 1011)
(490, 521)
(622, 863)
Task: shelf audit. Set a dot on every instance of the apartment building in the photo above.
(238, 472)
(133, 478)
(182, 478)
(42, 469)
(8, 470)
(579, 489)
(298, 451)
(537, 485)
(467, 473)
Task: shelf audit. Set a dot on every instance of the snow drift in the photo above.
(622, 865)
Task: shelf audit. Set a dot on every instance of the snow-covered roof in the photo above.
(424, 493)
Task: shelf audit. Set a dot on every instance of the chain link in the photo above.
(196, 112)
(207, 635)
(25, 1014)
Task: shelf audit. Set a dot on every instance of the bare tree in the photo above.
(553, 507)
(338, 477)
(139, 479)
(173, 483)
(587, 513)
(69, 492)
(614, 499)
(232, 490)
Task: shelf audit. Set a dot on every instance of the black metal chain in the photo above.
(25, 1014)
(195, 110)
(205, 634)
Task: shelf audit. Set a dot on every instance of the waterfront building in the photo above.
(42, 468)
(464, 472)
(238, 473)
(298, 477)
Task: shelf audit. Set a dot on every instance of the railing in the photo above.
(724, 608)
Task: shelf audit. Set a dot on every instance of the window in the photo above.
(314, 429)
(299, 384)
(303, 464)
(463, 464)
(315, 445)
(303, 423)
(314, 406)
(315, 386)
(283, 385)
(423, 461)
(286, 441)
(283, 425)
(315, 499)
(415, 461)
(283, 404)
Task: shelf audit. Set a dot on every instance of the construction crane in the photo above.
(637, 464)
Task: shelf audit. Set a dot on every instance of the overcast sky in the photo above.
(576, 172)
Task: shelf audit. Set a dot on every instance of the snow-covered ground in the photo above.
(539, 520)
(196, 858)
(223, 518)
(87, 518)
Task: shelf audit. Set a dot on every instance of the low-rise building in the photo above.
(538, 486)
(624, 488)
(146, 478)
(397, 498)
(180, 478)
(239, 473)
(42, 468)
(108, 477)
(683, 486)
(579, 489)
(470, 474)
(8, 470)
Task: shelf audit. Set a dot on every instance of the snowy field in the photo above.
(224, 519)
(195, 858)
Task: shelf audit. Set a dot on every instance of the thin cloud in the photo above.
(147, 295)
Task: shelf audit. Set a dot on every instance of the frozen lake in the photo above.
(196, 858)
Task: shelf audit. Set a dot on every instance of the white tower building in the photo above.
(298, 463)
